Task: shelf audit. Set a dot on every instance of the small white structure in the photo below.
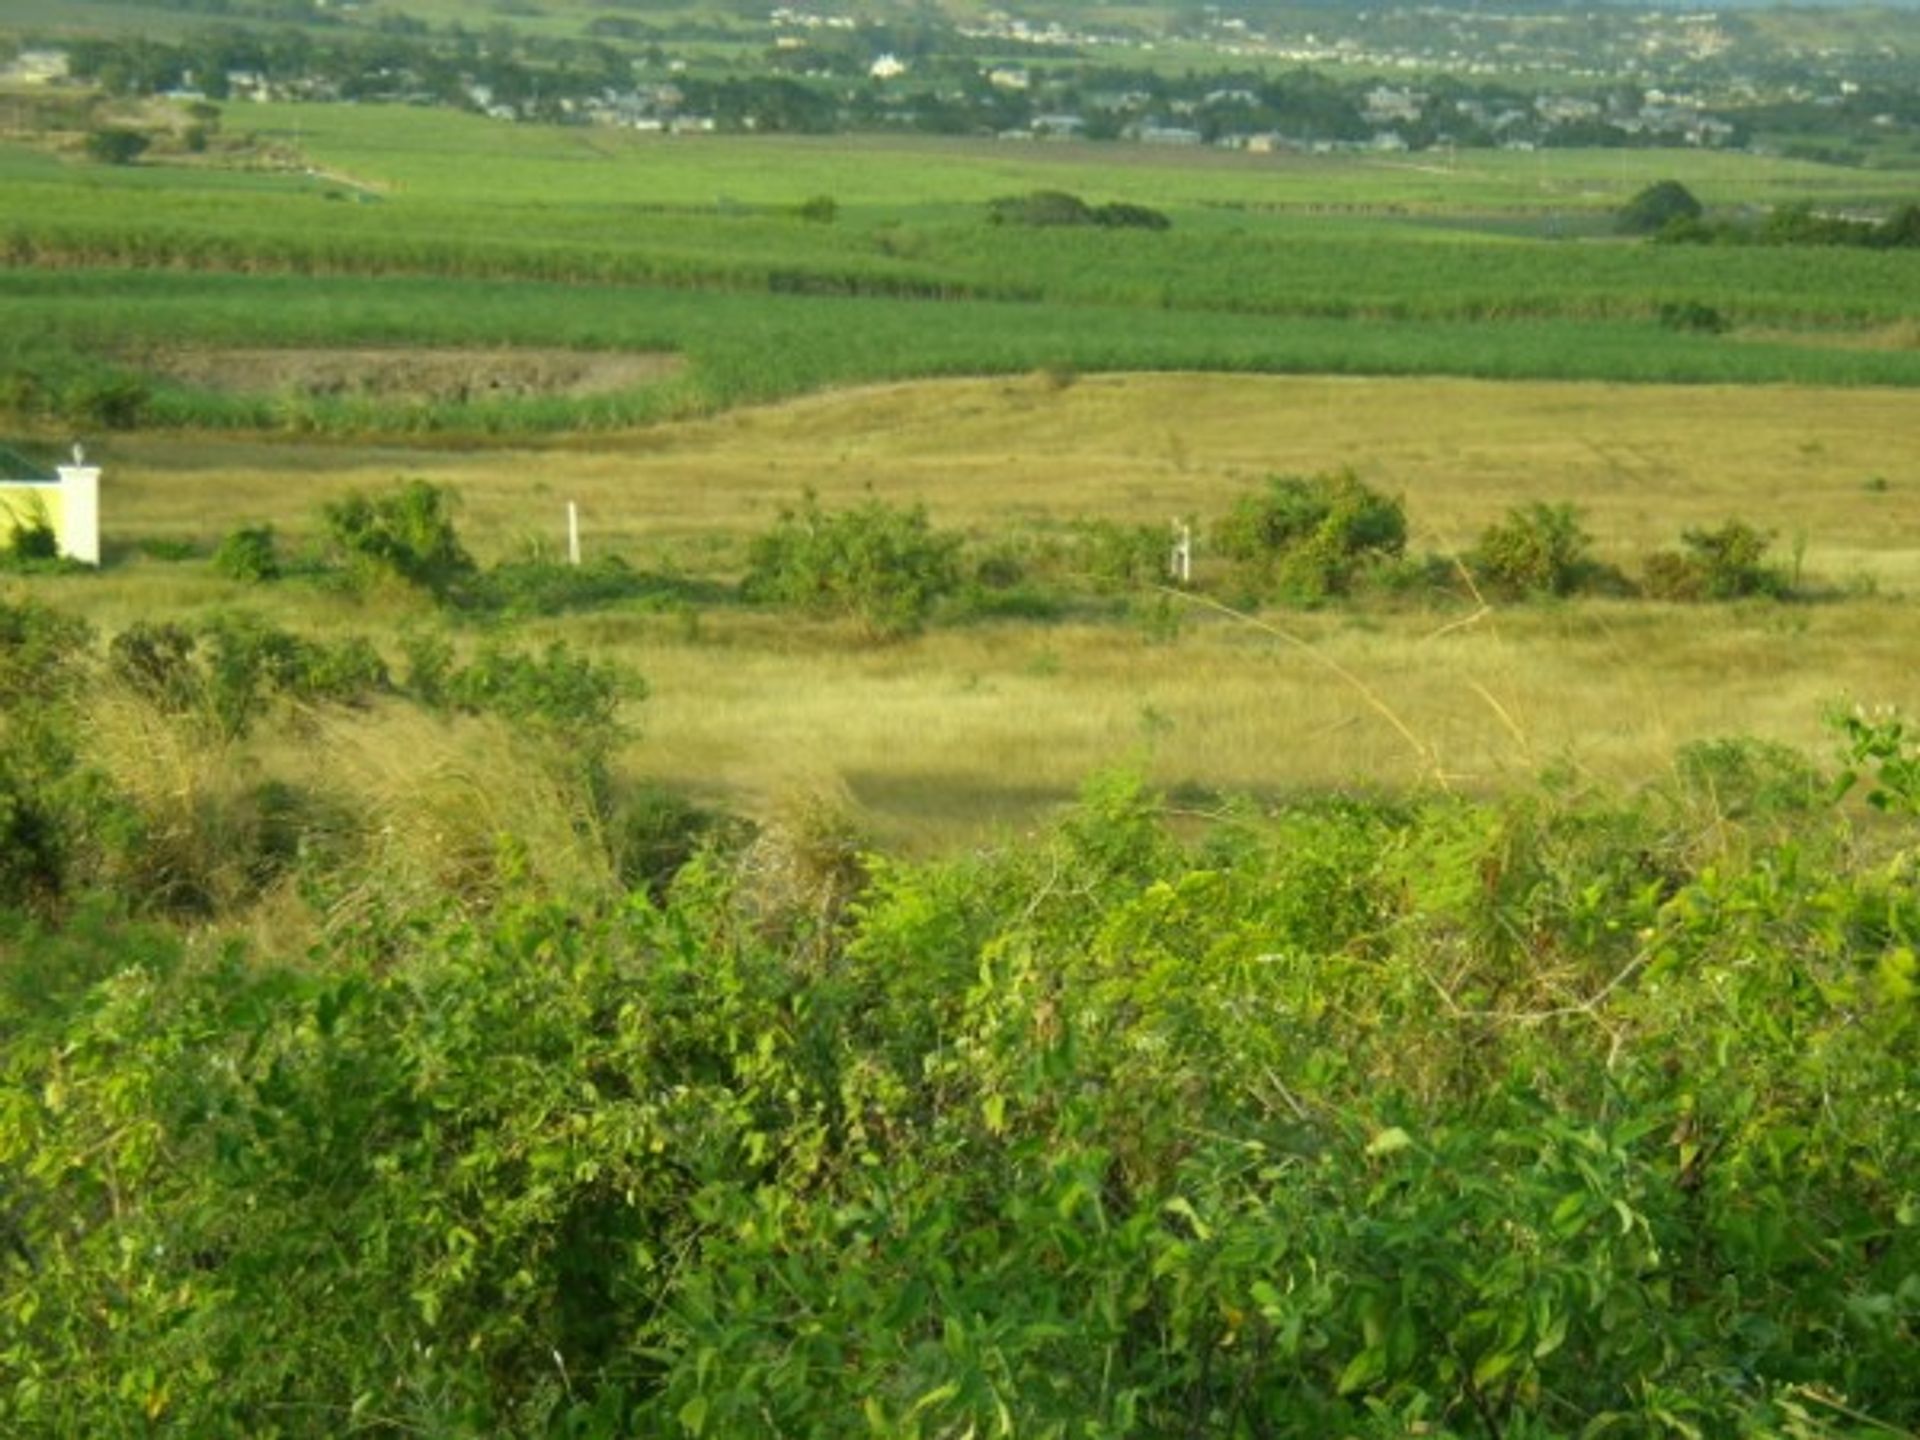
(887, 67)
(68, 503)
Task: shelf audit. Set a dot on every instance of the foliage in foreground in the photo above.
(1542, 1118)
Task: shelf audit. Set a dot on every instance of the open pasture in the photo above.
(981, 724)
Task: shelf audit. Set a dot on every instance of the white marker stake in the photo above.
(573, 533)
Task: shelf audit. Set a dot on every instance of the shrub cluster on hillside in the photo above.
(1358, 1118)
(1296, 540)
(1058, 207)
(1669, 212)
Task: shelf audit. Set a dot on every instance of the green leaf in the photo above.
(1492, 1366)
(939, 1395)
(693, 1415)
(1365, 1368)
(1569, 1216)
(1183, 1207)
(1389, 1141)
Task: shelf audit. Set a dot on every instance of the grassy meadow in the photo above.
(974, 726)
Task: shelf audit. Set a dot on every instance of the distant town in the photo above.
(1431, 78)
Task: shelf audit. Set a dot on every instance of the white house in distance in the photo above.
(68, 502)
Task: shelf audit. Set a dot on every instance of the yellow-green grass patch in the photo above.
(968, 727)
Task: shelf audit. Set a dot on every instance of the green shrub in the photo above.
(248, 554)
(406, 532)
(1656, 207)
(1741, 778)
(1439, 1118)
(1111, 557)
(167, 548)
(1538, 549)
(229, 668)
(155, 659)
(876, 564)
(1119, 214)
(43, 654)
(1726, 563)
(30, 539)
(1058, 207)
(654, 832)
(544, 587)
(1692, 316)
(1307, 539)
(113, 145)
(111, 402)
(1039, 207)
(1883, 749)
(556, 690)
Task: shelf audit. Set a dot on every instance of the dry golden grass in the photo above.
(965, 729)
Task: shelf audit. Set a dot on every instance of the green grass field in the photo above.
(603, 240)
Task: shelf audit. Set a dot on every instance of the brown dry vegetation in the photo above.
(967, 728)
(447, 374)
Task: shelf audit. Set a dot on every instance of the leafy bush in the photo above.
(1364, 1120)
(654, 833)
(43, 654)
(110, 401)
(544, 587)
(1039, 207)
(228, 669)
(1538, 549)
(114, 145)
(1726, 563)
(820, 209)
(248, 554)
(406, 532)
(876, 564)
(1058, 207)
(1306, 539)
(1884, 746)
(30, 538)
(1111, 557)
(1693, 316)
(557, 693)
(557, 689)
(1744, 779)
(1658, 206)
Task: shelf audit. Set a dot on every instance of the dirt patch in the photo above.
(1895, 335)
(442, 375)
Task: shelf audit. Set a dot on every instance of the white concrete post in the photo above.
(80, 511)
(573, 533)
(1180, 563)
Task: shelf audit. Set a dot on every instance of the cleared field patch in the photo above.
(442, 374)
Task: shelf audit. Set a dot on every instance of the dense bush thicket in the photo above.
(1537, 549)
(1307, 539)
(1659, 205)
(1797, 224)
(877, 564)
(1564, 1115)
(406, 532)
(1296, 540)
(185, 822)
(1728, 562)
(1058, 207)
